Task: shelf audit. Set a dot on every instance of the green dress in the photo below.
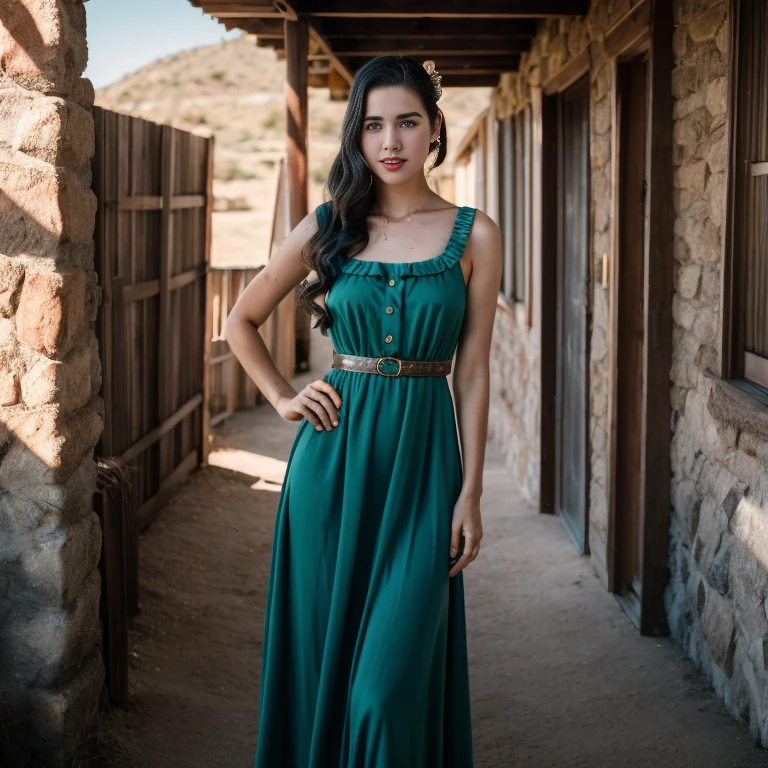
(364, 659)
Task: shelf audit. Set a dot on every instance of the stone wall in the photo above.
(716, 600)
(515, 403)
(51, 670)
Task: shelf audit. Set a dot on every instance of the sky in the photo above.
(125, 35)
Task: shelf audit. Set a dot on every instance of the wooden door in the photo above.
(632, 93)
(573, 271)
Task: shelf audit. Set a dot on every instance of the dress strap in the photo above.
(461, 229)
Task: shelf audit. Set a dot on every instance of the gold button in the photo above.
(391, 282)
(390, 310)
(388, 339)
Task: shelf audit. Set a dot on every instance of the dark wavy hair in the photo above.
(343, 231)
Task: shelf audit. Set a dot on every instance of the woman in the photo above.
(364, 660)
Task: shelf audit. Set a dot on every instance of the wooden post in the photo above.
(296, 52)
(655, 469)
(208, 325)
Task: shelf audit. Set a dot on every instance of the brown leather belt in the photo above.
(384, 365)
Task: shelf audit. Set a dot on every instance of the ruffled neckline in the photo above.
(450, 256)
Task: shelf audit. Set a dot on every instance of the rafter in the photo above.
(409, 47)
(445, 9)
(426, 28)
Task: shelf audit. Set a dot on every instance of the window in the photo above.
(749, 202)
(514, 175)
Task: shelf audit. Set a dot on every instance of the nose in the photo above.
(391, 139)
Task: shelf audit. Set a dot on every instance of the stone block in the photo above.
(682, 312)
(56, 131)
(44, 644)
(689, 132)
(687, 10)
(63, 715)
(68, 382)
(705, 26)
(749, 588)
(716, 196)
(692, 177)
(32, 502)
(684, 81)
(688, 279)
(10, 391)
(57, 561)
(51, 311)
(717, 625)
(705, 325)
(680, 43)
(717, 96)
(43, 43)
(11, 277)
(43, 207)
(46, 445)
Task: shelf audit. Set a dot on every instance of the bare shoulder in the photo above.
(484, 241)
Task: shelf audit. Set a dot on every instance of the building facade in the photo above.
(625, 161)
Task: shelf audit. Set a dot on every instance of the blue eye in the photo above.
(409, 121)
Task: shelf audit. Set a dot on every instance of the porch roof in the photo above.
(471, 41)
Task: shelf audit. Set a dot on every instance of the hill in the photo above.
(235, 91)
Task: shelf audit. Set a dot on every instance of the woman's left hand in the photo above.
(466, 520)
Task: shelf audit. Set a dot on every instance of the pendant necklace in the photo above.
(407, 217)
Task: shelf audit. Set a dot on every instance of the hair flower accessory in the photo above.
(435, 76)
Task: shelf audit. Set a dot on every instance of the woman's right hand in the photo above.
(318, 403)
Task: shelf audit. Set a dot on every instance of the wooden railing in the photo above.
(230, 386)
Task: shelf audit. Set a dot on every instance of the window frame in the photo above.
(743, 367)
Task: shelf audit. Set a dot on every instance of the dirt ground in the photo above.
(559, 676)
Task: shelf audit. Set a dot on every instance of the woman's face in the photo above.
(396, 125)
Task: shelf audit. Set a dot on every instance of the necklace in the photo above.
(407, 217)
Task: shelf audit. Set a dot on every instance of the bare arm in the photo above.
(471, 379)
(318, 402)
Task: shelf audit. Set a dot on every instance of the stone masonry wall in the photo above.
(716, 599)
(515, 403)
(51, 670)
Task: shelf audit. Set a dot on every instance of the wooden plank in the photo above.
(491, 9)
(629, 30)
(759, 169)
(159, 431)
(165, 272)
(426, 28)
(155, 202)
(108, 505)
(568, 74)
(544, 220)
(208, 308)
(318, 39)
(658, 322)
(149, 510)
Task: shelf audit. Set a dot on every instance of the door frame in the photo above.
(650, 24)
(549, 126)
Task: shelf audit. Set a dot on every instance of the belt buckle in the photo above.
(382, 359)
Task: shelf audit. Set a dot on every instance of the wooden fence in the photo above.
(153, 228)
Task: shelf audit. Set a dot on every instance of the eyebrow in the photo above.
(399, 117)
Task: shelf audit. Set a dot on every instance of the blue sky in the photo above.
(125, 35)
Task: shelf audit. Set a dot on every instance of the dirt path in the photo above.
(559, 675)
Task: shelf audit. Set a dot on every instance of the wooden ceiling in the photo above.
(471, 41)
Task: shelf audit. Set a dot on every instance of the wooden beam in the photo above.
(296, 49)
(429, 47)
(572, 70)
(230, 10)
(338, 65)
(655, 469)
(623, 35)
(425, 27)
(488, 9)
